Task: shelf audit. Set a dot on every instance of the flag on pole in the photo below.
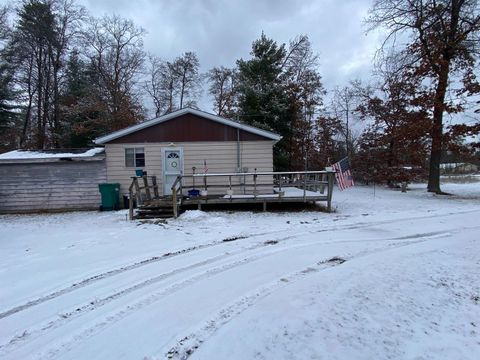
(342, 174)
(205, 168)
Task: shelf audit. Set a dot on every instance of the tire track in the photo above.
(171, 289)
(99, 302)
(185, 347)
(154, 259)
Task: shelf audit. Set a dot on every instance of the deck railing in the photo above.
(252, 183)
(141, 192)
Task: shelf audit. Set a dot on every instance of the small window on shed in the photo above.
(134, 157)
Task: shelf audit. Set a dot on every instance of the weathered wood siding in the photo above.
(221, 157)
(51, 186)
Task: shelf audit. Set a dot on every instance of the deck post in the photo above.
(147, 189)
(255, 184)
(138, 192)
(155, 187)
(130, 204)
(304, 187)
(330, 191)
(264, 206)
(174, 203)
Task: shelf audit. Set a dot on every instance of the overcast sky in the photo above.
(222, 31)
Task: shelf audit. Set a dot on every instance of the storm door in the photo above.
(172, 167)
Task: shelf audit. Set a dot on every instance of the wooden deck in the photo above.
(222, 189)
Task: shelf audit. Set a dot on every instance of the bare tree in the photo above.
(222, 88)
(115, 50)
(69, 19)
(344, 108)
(444, 39)
(162, 85)
(305, 91)
(186, 70)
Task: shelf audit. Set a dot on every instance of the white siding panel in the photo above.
(220, 157)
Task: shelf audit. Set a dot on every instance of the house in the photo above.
(51, 180)
(184, 142)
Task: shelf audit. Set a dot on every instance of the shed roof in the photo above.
(120, 133)
(52, 155)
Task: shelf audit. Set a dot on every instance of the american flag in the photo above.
(342, 174)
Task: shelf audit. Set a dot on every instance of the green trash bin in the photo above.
(110, 196)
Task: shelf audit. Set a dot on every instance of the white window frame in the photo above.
(134, 148)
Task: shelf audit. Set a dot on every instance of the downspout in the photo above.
(239, 161)
(238, 150)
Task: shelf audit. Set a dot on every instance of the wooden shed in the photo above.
(185, 141)
(51, 180)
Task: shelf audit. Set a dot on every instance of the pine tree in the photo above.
(263, 101)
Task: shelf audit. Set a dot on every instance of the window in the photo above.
(134, 157)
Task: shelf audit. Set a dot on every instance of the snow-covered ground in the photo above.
(388, 275)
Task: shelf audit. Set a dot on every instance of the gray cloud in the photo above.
(221, 31)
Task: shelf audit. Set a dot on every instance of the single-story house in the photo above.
(51, 180)
(185, 141)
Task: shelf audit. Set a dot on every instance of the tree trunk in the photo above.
(39, 85)
(437, 129)
(182, 91)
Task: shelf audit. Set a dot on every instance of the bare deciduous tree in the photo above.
(186, 70)
(162, 85)
(444, 39)
(115, 51)
(222, 88)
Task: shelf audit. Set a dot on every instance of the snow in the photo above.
(388, 275)
(27, 154)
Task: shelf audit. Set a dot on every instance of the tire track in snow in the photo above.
(99, 302)
(171, 289)
(185, 347)
(110, 273)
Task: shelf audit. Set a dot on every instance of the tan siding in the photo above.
(220, 156)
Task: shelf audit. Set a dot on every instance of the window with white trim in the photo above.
(134, 157)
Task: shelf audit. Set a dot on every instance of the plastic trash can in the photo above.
(110, 196)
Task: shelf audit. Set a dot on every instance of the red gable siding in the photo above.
(187, 128)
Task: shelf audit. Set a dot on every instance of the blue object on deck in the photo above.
(139, 172)
(193, 192)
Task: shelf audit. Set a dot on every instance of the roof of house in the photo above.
(120, 133)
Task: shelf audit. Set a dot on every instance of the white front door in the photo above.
(172, 167)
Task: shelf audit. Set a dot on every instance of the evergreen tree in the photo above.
(263, 101)
(81, 108)
(8, 114)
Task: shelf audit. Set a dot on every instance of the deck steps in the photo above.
(155, 209)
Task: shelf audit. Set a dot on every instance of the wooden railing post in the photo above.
(155, 187)
(147, 189)
(175, 191)
(174, 203)
(138, 193)
(330, 191)
(130, 204)
(304, 187)
(255, 184)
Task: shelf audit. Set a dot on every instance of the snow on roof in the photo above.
(30, 154)
(117, 134)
